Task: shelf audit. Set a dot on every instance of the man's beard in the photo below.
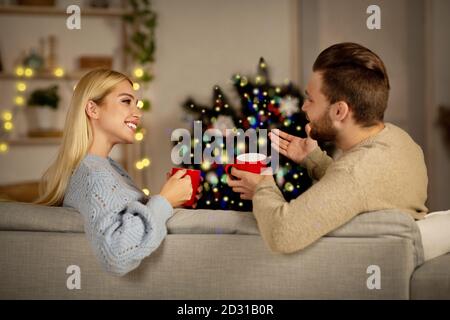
(323, 130)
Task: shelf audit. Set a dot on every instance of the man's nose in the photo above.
(304, 107)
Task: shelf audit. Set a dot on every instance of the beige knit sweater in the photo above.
(382, 172)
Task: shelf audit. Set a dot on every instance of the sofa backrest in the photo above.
(391, 223)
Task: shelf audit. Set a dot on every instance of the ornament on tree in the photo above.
(289, 106)
(223, 123)
(263, 105)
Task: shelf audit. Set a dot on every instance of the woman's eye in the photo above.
(127, 101)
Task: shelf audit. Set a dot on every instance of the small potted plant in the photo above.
(42, 109)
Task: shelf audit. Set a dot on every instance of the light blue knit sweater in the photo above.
(122, 224)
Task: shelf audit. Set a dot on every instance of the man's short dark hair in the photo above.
(356, 75)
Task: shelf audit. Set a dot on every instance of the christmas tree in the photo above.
(263, 106)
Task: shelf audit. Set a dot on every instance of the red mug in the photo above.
(195, 181)
(250, 162)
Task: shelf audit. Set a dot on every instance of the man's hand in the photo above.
(246, 182)
(295, 148)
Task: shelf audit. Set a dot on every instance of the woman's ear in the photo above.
(92, 109)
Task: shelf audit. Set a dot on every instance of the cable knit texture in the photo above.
(123, 225)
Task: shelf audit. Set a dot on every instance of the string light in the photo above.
(146, 162)
(3, 147)
(206, 165)
(224, 158)
(139, 165)
(59, 72)
(136, 86)
(262, 141)
(139, 136)
(140, 104)
(19, 100)
(20, 71)
(8, 125)
(7, 115)
(28, 72)
(21, 86)
(289, 187)
(138, 72)
(146, 191)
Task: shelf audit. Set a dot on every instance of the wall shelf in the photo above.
(18, 14)
(57, 11)
(13, 77)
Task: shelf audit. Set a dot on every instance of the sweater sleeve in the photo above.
(122, 231)
(328, 204)
(317, 163)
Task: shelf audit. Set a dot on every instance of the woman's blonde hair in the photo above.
(78, 135)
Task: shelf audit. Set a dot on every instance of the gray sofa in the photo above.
(219, 255)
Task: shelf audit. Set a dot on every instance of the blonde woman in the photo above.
(122, 223)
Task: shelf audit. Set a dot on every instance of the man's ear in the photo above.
(92, 109)
(341, 111)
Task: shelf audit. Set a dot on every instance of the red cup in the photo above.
(250, 162)
(195, 181)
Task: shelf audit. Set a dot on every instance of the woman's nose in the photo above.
(138, 113)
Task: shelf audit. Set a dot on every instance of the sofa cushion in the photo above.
(377, 224)
(432, 280)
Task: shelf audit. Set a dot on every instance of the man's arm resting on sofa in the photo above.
(291, 226)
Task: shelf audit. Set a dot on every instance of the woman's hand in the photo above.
(177, 190)
(295, 148)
